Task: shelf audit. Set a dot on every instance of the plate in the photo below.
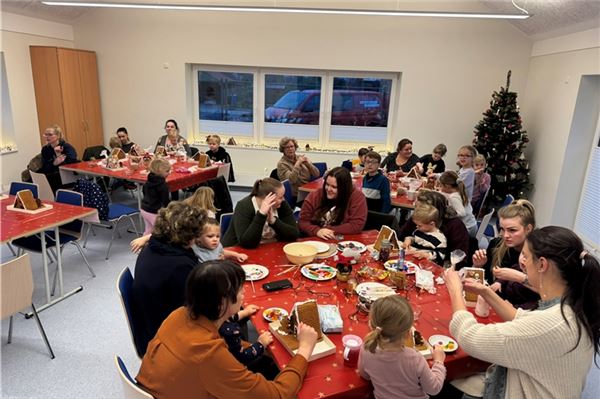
(321, 246)
(255, 272)
(318, 272)
(273, 314)
(373, 291)
(411, 268)
(449, 344)
(359, 246)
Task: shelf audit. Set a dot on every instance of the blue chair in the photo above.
(225, 222)
(492, 229)
(17, 186)
(289, 197)
(116, 213)
(322, 166)
(124, 285)
(130, 388)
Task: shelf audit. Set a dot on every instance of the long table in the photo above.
(18, 224)
(328, 377)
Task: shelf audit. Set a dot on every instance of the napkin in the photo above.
(331, 319)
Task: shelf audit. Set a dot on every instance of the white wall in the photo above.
(18, 33)
(449, 67)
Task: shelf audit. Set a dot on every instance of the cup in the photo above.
(352, 344)
(411, 195)
(482, 308)
(417, 310)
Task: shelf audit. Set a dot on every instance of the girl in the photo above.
(501, 259)
(156, 192)
(455, 191)
(482, 182)
(466, 173)
(208, 246)
(204, 198)
(394, 370)
(216, 153)
(433, 163)
(427, 238)
(263, 216)
(339, 208)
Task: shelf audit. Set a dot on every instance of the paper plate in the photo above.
(322, 247)
(318, 272)
(411, 268)
(331, 251)
(359, 246)
(373, 291)
(255, 272)
(273, 314)
(449, 344)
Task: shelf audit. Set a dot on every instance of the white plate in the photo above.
(255, 272)
(273, 314)
(321, 246)
(318, 272)
(373, 291)
(443, 340)
(359, 246)
(411, 267)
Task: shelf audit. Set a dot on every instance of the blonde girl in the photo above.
(156, 192)
(395, 370)
(216, 153)
(482, 182)
(466, 173)
(204, 198)
(454, 189)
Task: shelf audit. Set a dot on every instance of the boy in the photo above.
(427, 238)
(433, 163)
(375, 186)
(216, 153)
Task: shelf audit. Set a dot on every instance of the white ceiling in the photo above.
(550, 17)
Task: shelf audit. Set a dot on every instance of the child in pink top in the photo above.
(482, 182)
(394, 370)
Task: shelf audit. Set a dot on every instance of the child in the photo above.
(433, 163)
(394, 370)
(216, 153)
(482, 182)
(156, 192)
(375, 186)
(427, 239)
(359, 164)
(455, 191)
(466, 173)
(208, 246)
(204, 198)
(114, 142)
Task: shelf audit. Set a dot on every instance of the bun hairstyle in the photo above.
(57, 130)
(391, 318)
(213, 137)
(174, 122)
(521, 209)
(579, 270)
(264, 187)
(450, 178)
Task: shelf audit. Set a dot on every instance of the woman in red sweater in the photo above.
(339, 208)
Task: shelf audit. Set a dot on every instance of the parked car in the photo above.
(349, 108)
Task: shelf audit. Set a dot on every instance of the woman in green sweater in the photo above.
(263, 216)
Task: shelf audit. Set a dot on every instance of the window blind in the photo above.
(587, 223)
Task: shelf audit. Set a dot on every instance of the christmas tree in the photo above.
(498, 137)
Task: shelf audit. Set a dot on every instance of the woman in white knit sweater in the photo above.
(545, 353)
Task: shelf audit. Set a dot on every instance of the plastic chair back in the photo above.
(44, 190)
(483, 225)
(72, 198)
(17, 186)
(274, 174)
(130, 389)
(377, 219)
(124, 285)
(288, 193)
(508, 200)
(322, 166)
(93, 152)
(225, 222)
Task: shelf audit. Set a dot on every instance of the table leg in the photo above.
(59, 262)
(45, 264)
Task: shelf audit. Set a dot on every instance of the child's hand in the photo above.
(241, 257)
(139, 243)
(265, 338)
(248, 311)
(438, 353)
(406, 243)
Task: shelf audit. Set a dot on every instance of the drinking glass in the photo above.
(456, 256)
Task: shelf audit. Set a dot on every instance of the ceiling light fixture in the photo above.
(292, 10)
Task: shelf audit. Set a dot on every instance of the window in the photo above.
(588, 215)
(323, 108)
(7, 134)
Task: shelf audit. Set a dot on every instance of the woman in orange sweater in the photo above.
(188, 359)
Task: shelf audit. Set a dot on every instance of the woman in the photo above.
(296, 168)
(450, 224)
(401, 161)
(172, 141)
(126, 144)
(501, 259)
(263, 216)
(454, 189)
(188, 358)
(339, 208)
(162, 268)
(544, 353)
(56, 152)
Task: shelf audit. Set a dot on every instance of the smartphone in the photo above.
(277, 285)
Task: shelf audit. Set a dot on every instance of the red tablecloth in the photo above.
(328, 377)
(176, 180)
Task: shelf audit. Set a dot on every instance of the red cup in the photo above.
(352, 344)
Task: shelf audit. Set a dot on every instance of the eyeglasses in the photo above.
(465, 155)
(371, 162)
(49, 134)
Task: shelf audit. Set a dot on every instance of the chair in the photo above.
(322, 166)
(289, 197)
(479, 205)
(130, 389)
(124, 284)
(224, 170)
(17, 186)
(93, 152)
(274, 174)
(492, 229)
(483, 225)
(17, 292)
(116, 213)
(225, 222)
(44, 190)
(377, 219)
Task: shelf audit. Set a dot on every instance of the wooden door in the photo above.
(92, 115)
(46, 83)
(70, 83)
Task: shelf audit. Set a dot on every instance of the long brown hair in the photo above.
(344, 191)
(450, 178)
(391, 318)
(264, 187)
(522, 209)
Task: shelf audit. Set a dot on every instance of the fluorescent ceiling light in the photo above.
(330, 11)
